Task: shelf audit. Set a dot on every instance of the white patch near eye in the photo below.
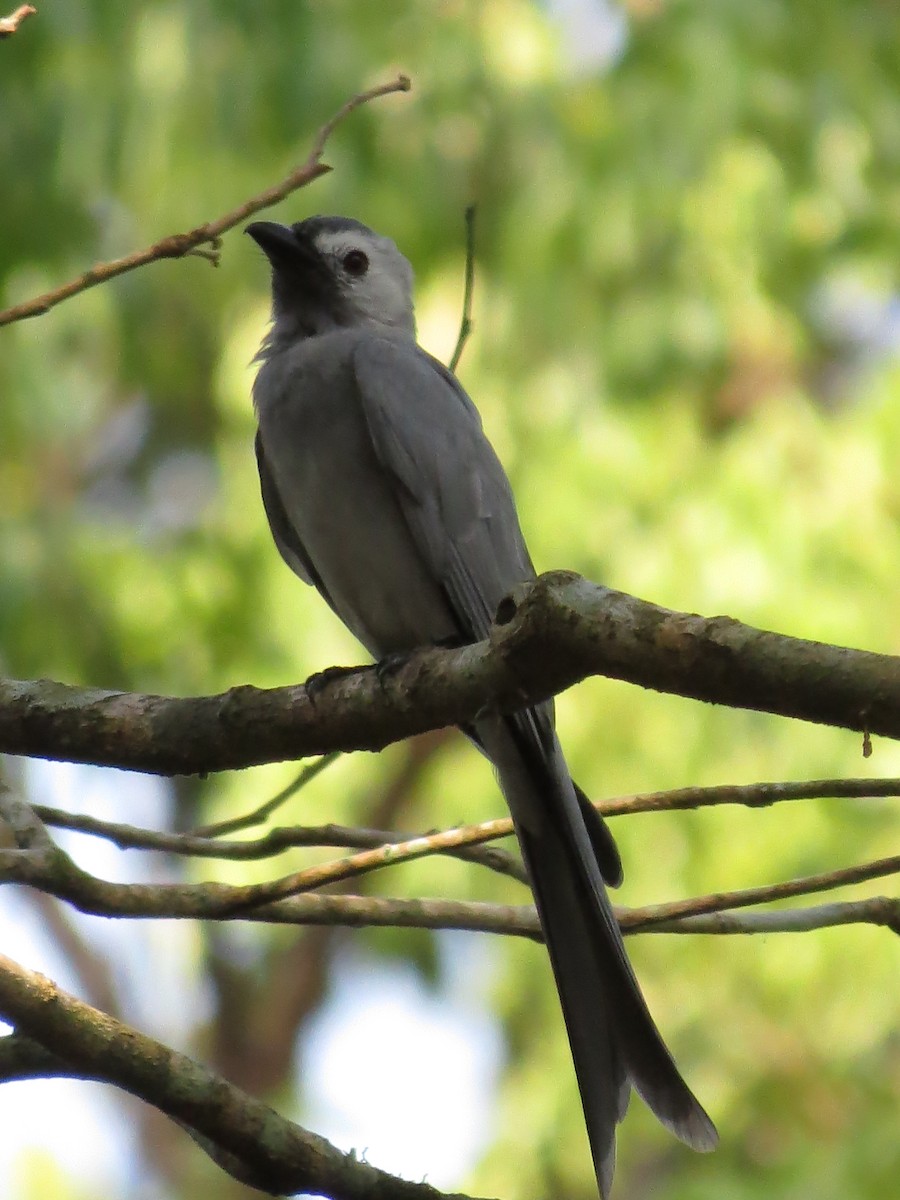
(335, 245)
(382, 295)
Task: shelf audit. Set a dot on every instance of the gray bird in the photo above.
(383, 492)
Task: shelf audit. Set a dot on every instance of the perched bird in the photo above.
(383, 492)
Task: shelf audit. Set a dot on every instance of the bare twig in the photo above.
(38, 862)
(245, 1136)
(276, 841)
(52, 871)
(806, 886)
(264, 811)
(877, 910)
(368, 860)
(465, 325)
(179, 244)
(512, 920)
(749, 795)
(9, 25)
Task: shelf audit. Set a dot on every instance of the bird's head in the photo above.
(334, 272)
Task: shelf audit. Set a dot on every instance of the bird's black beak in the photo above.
(300, 275)
(277, 242)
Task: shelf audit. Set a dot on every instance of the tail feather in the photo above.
(588, 1004)
(615, 1043)
(605, 849)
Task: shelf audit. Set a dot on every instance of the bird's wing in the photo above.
(284, 534)
(448, 483)
(455, 497)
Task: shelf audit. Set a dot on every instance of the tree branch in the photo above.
(246, 1137)
(552, 633)
(9, 25)
(278, 840)
(23, 1058)
(642, 919)
(877, 910)
(177, 245)
(748, 795)
(39, 863)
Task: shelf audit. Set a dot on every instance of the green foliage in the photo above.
(675, 255)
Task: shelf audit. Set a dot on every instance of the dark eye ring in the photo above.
(356, 262)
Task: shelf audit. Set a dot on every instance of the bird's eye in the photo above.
(356, 262)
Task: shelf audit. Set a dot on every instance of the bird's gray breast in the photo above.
(341, 501)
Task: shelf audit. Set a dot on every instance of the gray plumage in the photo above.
(382, 491)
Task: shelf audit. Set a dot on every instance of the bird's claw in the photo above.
(319, 680)
(390, 665)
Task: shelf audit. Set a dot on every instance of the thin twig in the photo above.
(9, 25)
(53, 871)
(877, 910)
(39, 862)
(264, 811)
(205, 843)
(204, 901)
(276, 841)
(749, 795)
(354, 865)
(805, 886)
(465, 325)
(180, 244)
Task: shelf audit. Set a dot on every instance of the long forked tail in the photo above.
(615, 1043)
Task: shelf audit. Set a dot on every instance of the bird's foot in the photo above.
(319, 680)
(390, 665)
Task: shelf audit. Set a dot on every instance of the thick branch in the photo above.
(246, 1137)
(555, 632)
(177, 245)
